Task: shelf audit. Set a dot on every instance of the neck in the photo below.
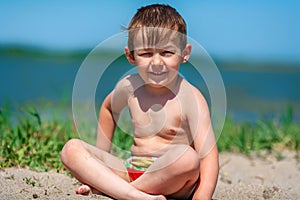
(163, 90)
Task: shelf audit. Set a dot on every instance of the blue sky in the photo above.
(257, 29)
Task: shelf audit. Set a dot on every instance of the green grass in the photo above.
(273, 135)
(32, 142)
(121, 143)
(27, 140)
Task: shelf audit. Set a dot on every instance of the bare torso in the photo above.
(159, 121)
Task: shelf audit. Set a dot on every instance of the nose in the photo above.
(156, 60)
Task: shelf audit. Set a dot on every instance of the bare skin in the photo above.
(171, 121)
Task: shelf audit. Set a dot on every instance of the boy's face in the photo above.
(158, 62)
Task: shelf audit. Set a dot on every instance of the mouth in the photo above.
(157, 77)
(157, 73)
(157, 70)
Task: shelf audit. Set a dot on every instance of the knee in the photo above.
(188, 162)
(70, 150)
(191, 160)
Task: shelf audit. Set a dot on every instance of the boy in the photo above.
(174, 153)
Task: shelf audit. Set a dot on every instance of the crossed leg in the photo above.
(100, 170)
(90, 166)
(174, 174)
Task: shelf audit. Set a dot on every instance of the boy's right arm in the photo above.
(110, 110)
(106, 125)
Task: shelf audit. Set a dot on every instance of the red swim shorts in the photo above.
(134, 174)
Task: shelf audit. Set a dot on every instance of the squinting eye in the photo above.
(167, 53)
(147, 55)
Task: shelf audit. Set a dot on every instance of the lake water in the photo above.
(251, 93)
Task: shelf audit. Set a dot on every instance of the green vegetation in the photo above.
(17, 51)
(271, 135)
(35, 52)
(121, 143)
(32, 141)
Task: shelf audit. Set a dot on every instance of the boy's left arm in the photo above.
(205, 145)
(208, 176)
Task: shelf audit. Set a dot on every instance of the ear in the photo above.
(129, 56)
(186, 53)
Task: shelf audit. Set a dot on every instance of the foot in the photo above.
(83, 190)
(159, 197)
(142, 196)
(86, 190)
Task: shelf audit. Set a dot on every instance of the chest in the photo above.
(150, 117)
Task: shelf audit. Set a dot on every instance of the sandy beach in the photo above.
(240, 177)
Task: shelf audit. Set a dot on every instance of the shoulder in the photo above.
(193, 103)
(123, 92)
(123, 83)
(130, 82)
(125, 88)
(191, 93)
